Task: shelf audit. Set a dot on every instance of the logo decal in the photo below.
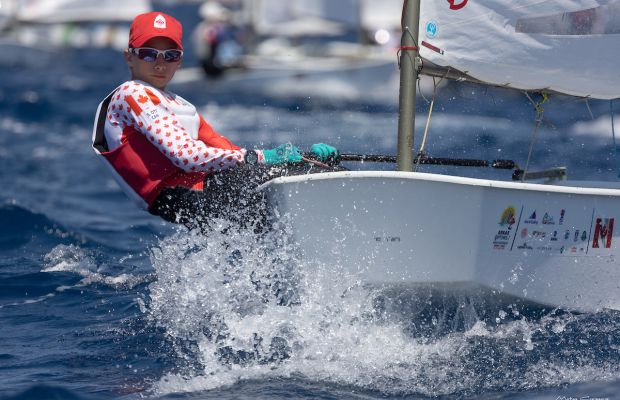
(532, 219)
(508, 217)
(431, 29)
(160, 22)
(457, 6)
(548, 219)
(603, 230)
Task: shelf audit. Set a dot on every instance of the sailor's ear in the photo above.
(128, 57)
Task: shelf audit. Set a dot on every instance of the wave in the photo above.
(22, 226)
(39, 392)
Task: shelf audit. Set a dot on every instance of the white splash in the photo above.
(221, 292)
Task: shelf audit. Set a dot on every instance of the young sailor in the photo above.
(163, 153)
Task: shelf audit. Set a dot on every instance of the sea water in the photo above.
(101, 300)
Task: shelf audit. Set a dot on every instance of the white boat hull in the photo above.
(553, 245)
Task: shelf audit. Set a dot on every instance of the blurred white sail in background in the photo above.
(568, 46)
(62, 11)
(302, 17)
(31, 30)
(380, 15)
(8, 10)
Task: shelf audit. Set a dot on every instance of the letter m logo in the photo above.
(603, 231)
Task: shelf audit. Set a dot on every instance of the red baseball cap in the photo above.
(153, 24)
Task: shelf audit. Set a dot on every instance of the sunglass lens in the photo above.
(172, 55)
(148, 55)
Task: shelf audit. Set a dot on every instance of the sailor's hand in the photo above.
(324, 152)
(285, 153)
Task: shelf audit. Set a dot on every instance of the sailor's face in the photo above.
(159, 72)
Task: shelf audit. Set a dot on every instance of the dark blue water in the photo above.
(100, 300)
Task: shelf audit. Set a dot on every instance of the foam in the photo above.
(72, 258)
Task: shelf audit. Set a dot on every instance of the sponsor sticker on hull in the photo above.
(564, 231)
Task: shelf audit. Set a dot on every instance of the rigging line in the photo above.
(613, 136)
(421, 93)
(589, 109)
(401, 48)
(428, 120)
(538, 122)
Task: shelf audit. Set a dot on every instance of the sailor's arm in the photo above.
(133, 107)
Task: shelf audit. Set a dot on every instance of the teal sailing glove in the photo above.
(324, 152)
(285, 153)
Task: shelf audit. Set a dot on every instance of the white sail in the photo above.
(568, 46)
(62, 11)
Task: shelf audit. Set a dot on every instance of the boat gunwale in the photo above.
(430, 177)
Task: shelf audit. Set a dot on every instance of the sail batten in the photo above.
(567, 46)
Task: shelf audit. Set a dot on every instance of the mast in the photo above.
(409, 53)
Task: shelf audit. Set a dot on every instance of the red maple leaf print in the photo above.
(142, 99)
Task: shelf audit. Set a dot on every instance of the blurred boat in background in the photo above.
(343, 50)
(32, 29)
